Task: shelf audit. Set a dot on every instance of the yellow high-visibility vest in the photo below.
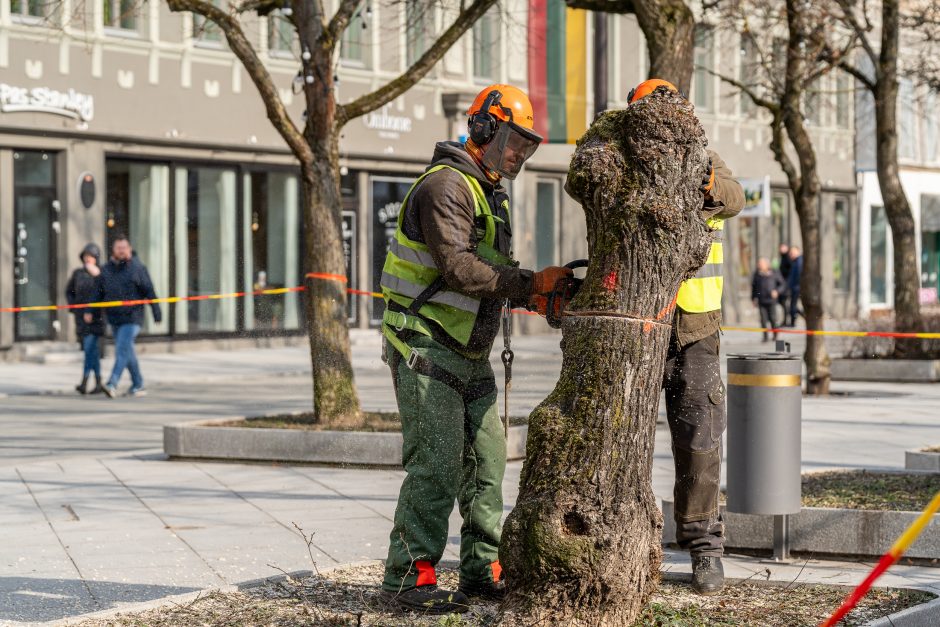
(702, 292)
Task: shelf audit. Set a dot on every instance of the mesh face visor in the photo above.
(509, 149)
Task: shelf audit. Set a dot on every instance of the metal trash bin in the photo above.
(764, 436)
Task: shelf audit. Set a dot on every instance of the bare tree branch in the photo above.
(241, 46)
(764, 103)
(261, 7)
(417, 71)
(849, 17)
(860, 76)
(341, 18)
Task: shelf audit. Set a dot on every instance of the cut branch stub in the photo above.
(582, 546)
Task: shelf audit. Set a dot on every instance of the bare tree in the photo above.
(788, 41)
(582, 546)
(315, 144)
(882, 82)
(669, 28)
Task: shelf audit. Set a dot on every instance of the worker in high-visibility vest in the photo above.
(447, 275)
(695, 393)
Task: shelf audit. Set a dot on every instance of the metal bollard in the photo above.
(764, 415)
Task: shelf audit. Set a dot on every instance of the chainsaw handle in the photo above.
(577, 263)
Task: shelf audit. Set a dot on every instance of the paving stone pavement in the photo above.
(94, 518)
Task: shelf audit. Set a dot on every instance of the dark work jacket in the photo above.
(785, 264)
(762, 285)
(796, 272)
(726, 200)
(440, 214)
(83, 288)
(127, 280)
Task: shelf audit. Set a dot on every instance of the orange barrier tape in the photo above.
(887, 560)
(340, 278)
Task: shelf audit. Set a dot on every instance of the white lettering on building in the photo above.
(69, 103)
(388, 126)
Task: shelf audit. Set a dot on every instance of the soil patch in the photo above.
(868, 490)
(931, 449)
(352, 596)
(375, 421)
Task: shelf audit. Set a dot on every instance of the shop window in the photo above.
(546, 234)
(138, 206)
(907, 123)
(271, 223)
(842, 241)
(930, 247)
(206, 31)
(282, 36)
(780, 217)
(205, 247)
(386, 194)
(703, 82)
(353, 45)
(844, 96)
(120, 14)
(485, 47)
(418, 18)
(879, 256)
(748, 70)
(932, 145)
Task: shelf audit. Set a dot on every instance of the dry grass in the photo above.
(868, 490)
(352, 597)
(374, 421)
(931, 449)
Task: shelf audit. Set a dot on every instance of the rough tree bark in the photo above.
(882, 83)
(669, 28)
(582, 546)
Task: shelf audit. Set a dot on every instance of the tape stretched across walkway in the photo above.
(339, 278)
(887, 560)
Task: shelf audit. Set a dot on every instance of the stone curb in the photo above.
(886, 370)
(820, 530)
(200, 440)
(919, 460)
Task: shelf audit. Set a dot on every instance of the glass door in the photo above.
(36, 220)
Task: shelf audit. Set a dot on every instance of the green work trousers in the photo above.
(454, 449)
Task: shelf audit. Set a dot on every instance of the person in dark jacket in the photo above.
(793, 282)
(83, 288)
(784, 296)
(766, 287)
(124, 277)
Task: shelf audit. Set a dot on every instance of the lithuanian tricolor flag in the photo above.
(558, 69)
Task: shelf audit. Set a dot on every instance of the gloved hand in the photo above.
(708, 181)
(544, 280)
(539, 304)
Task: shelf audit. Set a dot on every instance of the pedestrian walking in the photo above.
(695, 393)
(766, 287)
(447, 276)
(82, 288)
(793, 282)
(784, 268)
(125, 278)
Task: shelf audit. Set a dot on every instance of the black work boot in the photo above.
(488, 590)
(97, 389)
(708, 575)
(430, 600)
(81, 387)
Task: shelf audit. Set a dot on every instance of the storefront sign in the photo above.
(756, 198)
(69, 103)
(387, 195)
(349, 251)
(389, 126)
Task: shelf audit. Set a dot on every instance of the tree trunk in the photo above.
(582, 546)
(335, 400)
(669, 28)
(907, 315)
(805, 187)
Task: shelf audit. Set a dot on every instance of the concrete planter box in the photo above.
(821, 530)
(202, 441)
(920, 460)
(897, 370)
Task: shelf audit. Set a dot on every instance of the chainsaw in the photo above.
(565, 289)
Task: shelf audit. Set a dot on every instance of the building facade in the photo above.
(145, 124)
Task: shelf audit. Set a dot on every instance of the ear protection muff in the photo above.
(482, 124)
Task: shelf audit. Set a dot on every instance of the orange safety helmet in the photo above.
(512, 104)
(647, 87)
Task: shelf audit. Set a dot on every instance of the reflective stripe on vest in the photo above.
(702, 292)
(409, 267)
